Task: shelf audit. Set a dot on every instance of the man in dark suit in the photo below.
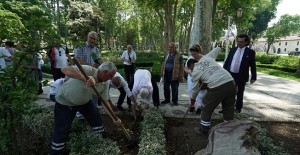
(237, 64)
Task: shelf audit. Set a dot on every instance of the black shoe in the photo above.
(175, 103)
(221, 111)
(201, 132)
(198, 111)
(104, 136)
(120, 108)
(129, 109)
(192, 109)
(237, 111)
(164, 102)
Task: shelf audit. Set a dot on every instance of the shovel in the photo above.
(102, 100)
(181, 120)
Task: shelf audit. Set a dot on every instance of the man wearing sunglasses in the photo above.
(89, 54)
(57, 55)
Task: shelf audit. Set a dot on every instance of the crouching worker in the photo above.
(55, 85)
(143, 84)
(75, 95)
(190, 65)
(118, 82)
(220, 89)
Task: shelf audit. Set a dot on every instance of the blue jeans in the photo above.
(52, 98)
(63, 118)
(174, 86)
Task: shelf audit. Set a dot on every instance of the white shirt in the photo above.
(125, 56)
(142, 79)
(3, 54)
(60, 58)
(191, 57)
(234, 59)
(210, 72)
(55, 85)
(123, 84)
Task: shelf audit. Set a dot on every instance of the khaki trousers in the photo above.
(224, 94)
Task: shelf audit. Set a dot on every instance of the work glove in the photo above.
(193, 101)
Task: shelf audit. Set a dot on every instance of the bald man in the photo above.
(172, 72)
(118, 82)
(129, 57)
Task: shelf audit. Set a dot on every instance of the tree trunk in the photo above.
(58, 17)
(195, 33)
(268, 48)
(298, 69)
(206, 10)
(215, 2)
(202, 27)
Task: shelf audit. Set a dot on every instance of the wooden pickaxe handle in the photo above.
(102, 100)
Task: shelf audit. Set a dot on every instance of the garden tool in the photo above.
(181, 120)
(102, 100)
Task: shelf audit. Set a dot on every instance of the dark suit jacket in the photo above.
(248, 60)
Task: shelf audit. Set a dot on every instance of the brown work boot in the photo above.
(203, 130)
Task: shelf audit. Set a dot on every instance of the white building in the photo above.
(283, 46)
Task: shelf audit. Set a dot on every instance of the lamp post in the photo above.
(239, 12)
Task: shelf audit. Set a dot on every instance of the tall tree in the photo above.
(261, 19)
(286, 25)
(206, 12)
(83, 18)
(167, 13)
(195, 33)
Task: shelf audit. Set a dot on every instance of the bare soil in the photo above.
(181, 140)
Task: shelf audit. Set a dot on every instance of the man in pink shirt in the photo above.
(143, 84)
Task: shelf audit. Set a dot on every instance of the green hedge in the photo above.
(277, 67)
(152, 138)
(83, 140)
(46, 69)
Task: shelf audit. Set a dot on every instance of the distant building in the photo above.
(283, 46)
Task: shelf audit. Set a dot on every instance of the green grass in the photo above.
(282, 74)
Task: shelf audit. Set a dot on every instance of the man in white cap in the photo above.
(143, 84)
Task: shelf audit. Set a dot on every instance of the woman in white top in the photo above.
(195, 51)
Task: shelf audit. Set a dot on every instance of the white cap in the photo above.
(144, 93)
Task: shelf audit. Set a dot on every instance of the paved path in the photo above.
(270, 98)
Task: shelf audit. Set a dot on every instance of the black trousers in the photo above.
(129, 72)
(240, 93)
(57, 74)
(155, 94)
(122, 97)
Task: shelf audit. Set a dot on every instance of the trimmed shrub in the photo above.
(40, 121)
(82, 139)
(152, 136)
(46, 69)
(90, 142)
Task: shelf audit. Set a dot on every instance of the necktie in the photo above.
(237, 59)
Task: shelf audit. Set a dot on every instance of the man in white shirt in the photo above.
(129, 57)
(144, 85)
(55, 85)
(57, 55)
(221, 89)
(118, 82)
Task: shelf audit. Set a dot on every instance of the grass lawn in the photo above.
(282, 74)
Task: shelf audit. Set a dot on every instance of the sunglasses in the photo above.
(59, 52)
